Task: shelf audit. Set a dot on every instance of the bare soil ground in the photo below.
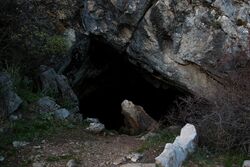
(89, 150)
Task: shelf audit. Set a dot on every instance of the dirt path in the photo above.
(88, 149)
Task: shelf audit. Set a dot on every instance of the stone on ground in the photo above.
(9, 100)
(174, 154)
(51, 82)
(136, 118)
(45, 105)
(134, 157)
(246, 163)
(61, 114)
(72, 163)
(95, 127)
(2, 158)
(19, 144)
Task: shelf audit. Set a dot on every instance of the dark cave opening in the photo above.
(121, 80)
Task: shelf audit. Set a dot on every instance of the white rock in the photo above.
(187, 139)
(95, 127)
(70, 37)
(18, 144)
(2, 158)
(134, 157)
(246, 163)
(61, 114)
(174, 154)
(38, 164)
(92, 120)
(72, 163)
(119, 161)
(14, 117)
(227, 26)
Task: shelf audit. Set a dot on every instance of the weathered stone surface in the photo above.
(61, 114)
(1, 158)
(174, 154)
(187, 44)
(9, 100)
(51, 82)
(95, 127)
(14, 117)
(118, 161)
(45, 104)
(187, 138)
(246, 163)
(226, 7)
(72, 163)
(66, 90)
(136, 118)
(19, 144)
(114, 20)
(134, 157)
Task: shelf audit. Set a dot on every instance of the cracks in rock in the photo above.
(214, 77)
(151, 4)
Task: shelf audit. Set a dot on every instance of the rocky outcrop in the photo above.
(53, 83)
(136, 118)
(114, 20)
(189, 44)
(174, 154)
(9, 100)
(47, 105)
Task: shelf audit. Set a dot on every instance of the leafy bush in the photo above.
(55, 45)
(158, 140)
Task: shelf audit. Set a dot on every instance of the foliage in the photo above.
(205, 158)
(23, 86)
(43, 125)
(223, 122)
(55, 45)
(159, 140)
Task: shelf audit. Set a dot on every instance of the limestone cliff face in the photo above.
(190, 44)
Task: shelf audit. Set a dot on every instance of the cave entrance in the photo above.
(118, 81)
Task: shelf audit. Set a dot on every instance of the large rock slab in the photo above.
(246, 163)
(188, 44)
(9, 100)
(136, 118)
(114, 20)
(175, 153)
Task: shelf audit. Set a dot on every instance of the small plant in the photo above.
(55, 45)
(159, 140)
(205, 158)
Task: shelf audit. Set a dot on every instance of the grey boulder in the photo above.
(9, 100)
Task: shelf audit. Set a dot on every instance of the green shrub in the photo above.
(159, 140)
(55, 45)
